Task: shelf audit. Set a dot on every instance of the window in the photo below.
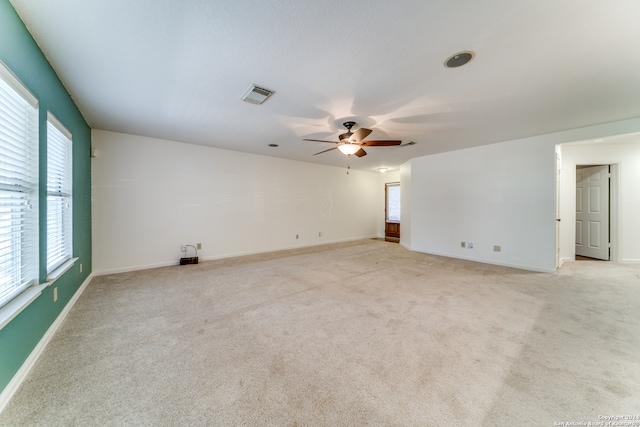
(18, 187)
(393, 202)
(59, 192)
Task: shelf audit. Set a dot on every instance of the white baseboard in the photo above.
(28, 364)
(128, 269)
(528, 267)
(563, 260)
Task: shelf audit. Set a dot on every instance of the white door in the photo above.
(592, 212)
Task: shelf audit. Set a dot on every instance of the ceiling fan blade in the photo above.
(360, 153)
(334, 148)
(382, 143)
(359, 135)
(321, 140)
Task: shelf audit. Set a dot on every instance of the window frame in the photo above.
(59, 218)
(387, 193)
(19, 162)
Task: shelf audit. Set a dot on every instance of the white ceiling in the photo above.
(175, 69)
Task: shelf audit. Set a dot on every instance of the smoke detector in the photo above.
(256, 95)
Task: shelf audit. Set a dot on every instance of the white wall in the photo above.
(406, 205)
(150, 196)
(626, 230)
(500, 194)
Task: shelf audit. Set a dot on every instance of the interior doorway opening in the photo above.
(593, 212)
(620, 153)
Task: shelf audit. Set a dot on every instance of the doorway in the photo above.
(619, 153)
(593, 213)
(392, 212)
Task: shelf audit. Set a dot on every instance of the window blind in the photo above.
(59, 192)
(18, 187)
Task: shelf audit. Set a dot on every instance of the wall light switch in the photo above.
(55, 294)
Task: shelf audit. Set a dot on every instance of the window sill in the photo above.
(59, 271)
(19, 303)
(22, 301)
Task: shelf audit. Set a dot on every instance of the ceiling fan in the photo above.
(352, 142)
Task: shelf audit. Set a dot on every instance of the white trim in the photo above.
(10, 310)
(19, 303)
(490, 261)
(24, 370)
(58, 125)
(17, 85)
(224, 256)
(60, 270)
(565, 259)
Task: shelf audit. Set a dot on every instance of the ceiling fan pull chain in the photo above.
(348, 163)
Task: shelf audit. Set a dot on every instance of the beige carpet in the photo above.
(364, 333)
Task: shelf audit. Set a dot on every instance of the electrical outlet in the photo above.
(497, 248)
(183, 248)
(55, 294)
(470, 245)
(199, 246)
(80, 267)
(463, 245)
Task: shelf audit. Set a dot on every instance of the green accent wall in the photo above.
(20, 53)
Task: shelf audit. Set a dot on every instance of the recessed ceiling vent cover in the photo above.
(459, 59)
(256, 95)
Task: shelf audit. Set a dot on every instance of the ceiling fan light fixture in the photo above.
(256, 95)
(348, 149)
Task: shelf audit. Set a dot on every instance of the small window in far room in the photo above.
(59, 194)
(393, 202)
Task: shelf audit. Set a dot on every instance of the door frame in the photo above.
(605, 184)
(558, 184)
(614, 206)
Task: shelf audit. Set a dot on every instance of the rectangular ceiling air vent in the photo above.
(256, 95)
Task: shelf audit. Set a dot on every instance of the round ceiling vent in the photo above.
(459, 59)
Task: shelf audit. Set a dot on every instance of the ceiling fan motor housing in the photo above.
(345, 136)
(349, 125)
